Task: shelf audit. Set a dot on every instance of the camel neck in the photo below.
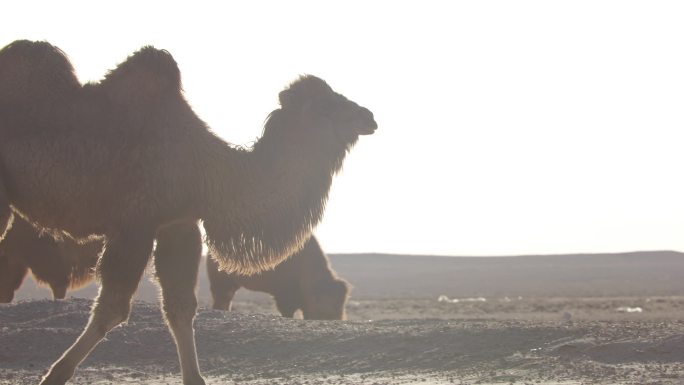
(278, 192)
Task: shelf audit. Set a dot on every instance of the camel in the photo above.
(62, 265)
(128, 159)
(305, 281)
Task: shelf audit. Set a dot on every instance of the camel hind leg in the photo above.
(120, 269)
(176, 262)
(12, 274)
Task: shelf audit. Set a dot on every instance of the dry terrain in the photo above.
(569, 319)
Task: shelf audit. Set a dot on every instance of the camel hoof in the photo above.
(194, 381)
(221, 306)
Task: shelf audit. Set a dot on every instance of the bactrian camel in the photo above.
(128, 159)
(305, 281)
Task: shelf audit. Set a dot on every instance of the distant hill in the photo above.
(652, 273)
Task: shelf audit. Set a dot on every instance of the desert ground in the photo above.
(563, 319)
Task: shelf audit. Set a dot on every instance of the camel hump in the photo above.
(33, 71)
(147, 75)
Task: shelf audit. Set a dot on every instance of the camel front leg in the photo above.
(223, 286)
(58, 291)
(176, 261)
(120, 268)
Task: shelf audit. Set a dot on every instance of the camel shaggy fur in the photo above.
(62, 265)
(305, 282)
(128, 159)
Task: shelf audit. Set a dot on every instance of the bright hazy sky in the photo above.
(506, 127)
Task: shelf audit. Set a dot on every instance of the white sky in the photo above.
(506, 127)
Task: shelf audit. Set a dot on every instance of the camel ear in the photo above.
(149, 74)
(289, 100)
(285, 98)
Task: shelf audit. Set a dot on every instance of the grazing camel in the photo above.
(305, 282)
(128, 159)
(63, 264)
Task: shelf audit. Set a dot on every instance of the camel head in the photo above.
(323, 108)
(326, 300)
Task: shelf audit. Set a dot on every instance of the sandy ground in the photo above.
(615, 339)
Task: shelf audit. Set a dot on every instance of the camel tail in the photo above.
(6, 216)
